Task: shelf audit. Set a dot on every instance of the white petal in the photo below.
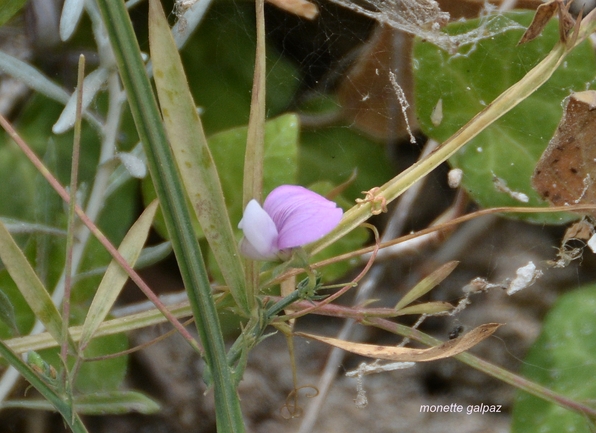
(259, 231)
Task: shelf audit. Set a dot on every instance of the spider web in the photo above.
(424, 18)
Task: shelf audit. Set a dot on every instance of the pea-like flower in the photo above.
(291, 216)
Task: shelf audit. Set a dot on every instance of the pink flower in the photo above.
(292, 216)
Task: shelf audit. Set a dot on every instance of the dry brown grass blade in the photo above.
(405, 354)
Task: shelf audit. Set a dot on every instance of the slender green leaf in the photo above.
(29, 285)
(70, 417)
(193, 157)
(9, 8)
(115, 403)
(115, 277)
(427, 284)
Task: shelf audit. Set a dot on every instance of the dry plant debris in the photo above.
(566, 170)
(404, 354)
(544, 13)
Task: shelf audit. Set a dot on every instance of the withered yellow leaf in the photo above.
(405, 354)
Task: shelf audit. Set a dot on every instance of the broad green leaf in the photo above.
(9, 8)
(96, 376)
(280, 163)
(562, 358)
(467, 82)
(193, 157)
(332, 154)
(101, 403)
(105, 375)
(115, 277)
(29, 285)
(219, 61)
(280, 159)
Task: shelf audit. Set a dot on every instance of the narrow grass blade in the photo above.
(255, 144)
(193, 157)
(169, 189)
(115, 277)
(29, 285)
(427, 284)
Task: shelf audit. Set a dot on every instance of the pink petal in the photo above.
(300, 215)
(260, 233)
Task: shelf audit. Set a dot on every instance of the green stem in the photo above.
(169, 189)
(67, 412)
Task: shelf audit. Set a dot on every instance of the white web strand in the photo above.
(401, 97)
(425, 19)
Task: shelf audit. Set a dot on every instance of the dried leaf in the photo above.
(404, 354)
(302, 8)
(566, 170)
(581, 230)
(544, 13)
